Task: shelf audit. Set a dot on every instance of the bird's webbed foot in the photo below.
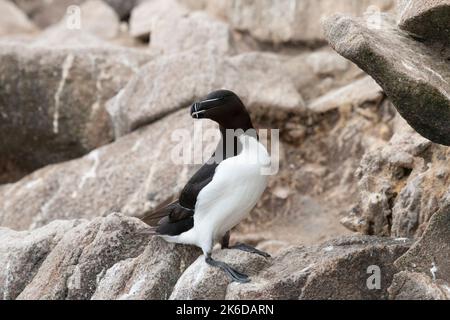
(232, 273)
(250, 249)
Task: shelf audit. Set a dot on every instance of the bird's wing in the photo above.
(177, 217)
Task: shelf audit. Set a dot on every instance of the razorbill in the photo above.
(224, 190)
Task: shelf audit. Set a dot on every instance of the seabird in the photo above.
(224, 190)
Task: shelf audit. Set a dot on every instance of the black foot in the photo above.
(247, 248)
(232, 273)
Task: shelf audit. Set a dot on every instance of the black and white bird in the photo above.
(224, 190)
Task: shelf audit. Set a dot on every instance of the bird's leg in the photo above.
(241, 246)
(247, 248)
(232, 273)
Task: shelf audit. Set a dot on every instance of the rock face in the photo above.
(52, 101)
(341, 266)
(133, 175)
(402, 184)
(285, 21)
(114, 258)
(426, 19)
(417, 286)
(414, 75)
(155, 91)
(14, 20)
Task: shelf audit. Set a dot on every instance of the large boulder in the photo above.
(22, 253)
(401, 185)
(171, 82)
(414, 75)
(285, 21)
(14, 20)
(338, 269)
(146, 16)
(82, 260)
(134, 174)
(52, 101)
(426, 19)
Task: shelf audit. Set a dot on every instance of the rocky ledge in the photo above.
(113, 258)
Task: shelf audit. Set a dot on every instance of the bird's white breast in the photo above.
(237, 185)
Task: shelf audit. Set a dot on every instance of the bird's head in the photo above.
(223, 107)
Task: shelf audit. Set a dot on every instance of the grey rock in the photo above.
(123, 8)
(52, 101)
(171, 82)
(334, 270)
(401, 185)
(426, 19)
(417, 286)
(22, 253)
(73, 267)
(431, 253)
(412, 74)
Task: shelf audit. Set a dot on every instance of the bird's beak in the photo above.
(198, 109)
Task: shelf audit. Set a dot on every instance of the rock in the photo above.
(146, 16)
(431, 253)
(47, 12)
(52, 100)
(354, 94)
(22, 253)
(286, 21)
(157, 90)
(59, 37)
(401, 185)
(191, 31)
(154, 273)
(134, 174)
(316, 73)
(426, 19)
(417, 286)
(337, 269)
(99, 19)
(87, 255)
(14, 20)
(412, 74)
